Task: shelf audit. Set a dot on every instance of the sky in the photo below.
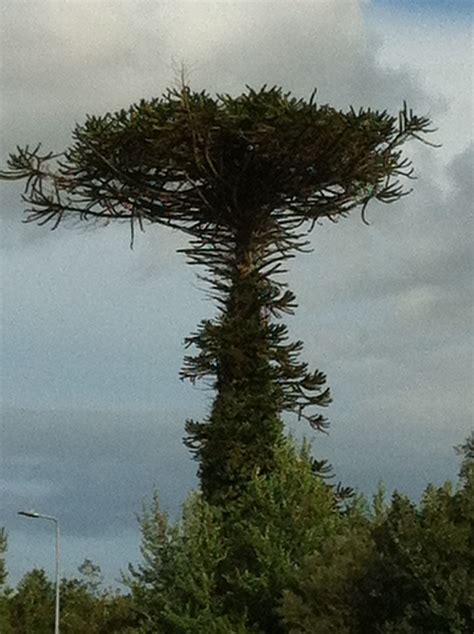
(92, 332)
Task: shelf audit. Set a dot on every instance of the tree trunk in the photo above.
(244, 426)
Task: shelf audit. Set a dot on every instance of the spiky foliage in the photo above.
(247, 178)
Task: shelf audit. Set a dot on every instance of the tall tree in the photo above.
(247, 178)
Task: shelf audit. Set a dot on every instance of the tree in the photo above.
(86, 608)
(31, 607)
(422, 577)
(224, 570)
(247, 178)
(404, 568)
(91, 575)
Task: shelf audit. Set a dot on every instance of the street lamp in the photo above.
(36, 515)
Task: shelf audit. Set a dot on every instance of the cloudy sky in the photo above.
(92, 333)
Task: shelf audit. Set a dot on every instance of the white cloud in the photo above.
(440, 50)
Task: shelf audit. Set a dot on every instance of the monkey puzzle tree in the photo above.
(247, 178)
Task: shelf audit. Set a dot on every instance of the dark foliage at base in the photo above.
(283, 558)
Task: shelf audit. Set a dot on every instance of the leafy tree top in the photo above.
(217, 164)
(247, 178)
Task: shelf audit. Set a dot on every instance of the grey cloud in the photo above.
(85, 322)
(94, 469)
(423, 246)
(461, 172)
(386, 311)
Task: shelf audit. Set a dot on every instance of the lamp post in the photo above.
(36, 515)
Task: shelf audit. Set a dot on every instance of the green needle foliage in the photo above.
(247, 178)
(283, 559)
(402, 569)
(280, 559)
(224, 570)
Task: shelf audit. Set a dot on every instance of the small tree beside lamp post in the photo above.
(35, 515)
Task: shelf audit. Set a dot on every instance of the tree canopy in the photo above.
(208, 165)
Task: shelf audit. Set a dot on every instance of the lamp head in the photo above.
(28, 513)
